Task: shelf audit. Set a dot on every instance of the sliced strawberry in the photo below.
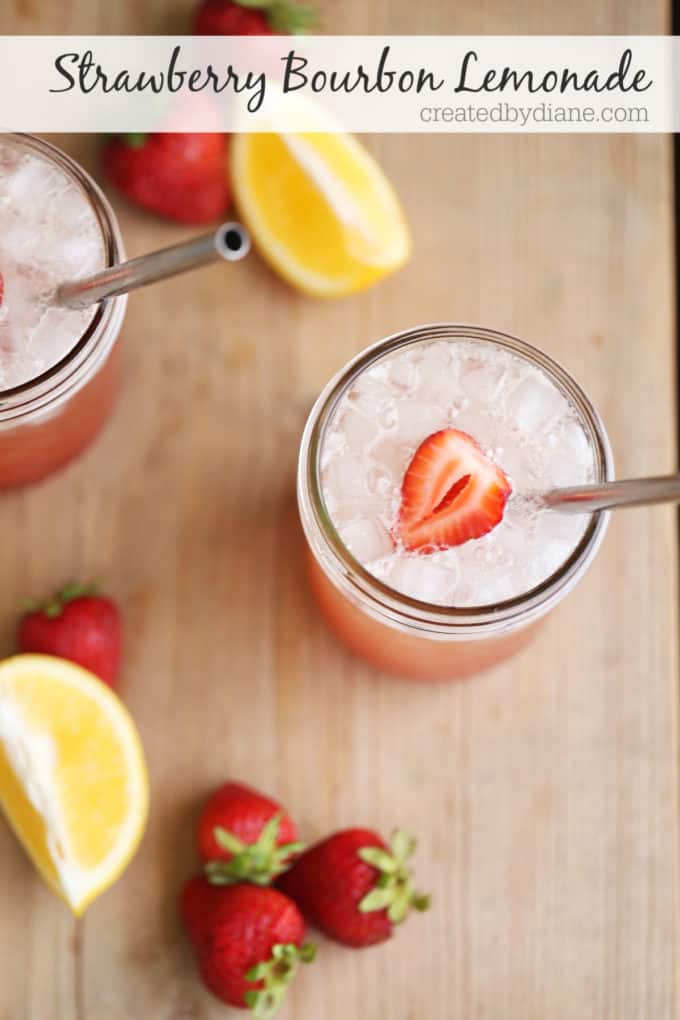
(2, 288)
(451, 492)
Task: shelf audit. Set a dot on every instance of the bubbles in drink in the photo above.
(519, 417)
(49, 233)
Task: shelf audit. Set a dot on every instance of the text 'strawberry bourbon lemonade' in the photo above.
(57, 375)
(429, 556)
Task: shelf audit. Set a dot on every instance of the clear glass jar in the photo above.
(49, 420)
(402, 635)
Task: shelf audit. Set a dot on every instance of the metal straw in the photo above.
(582, 499)
(230, 242)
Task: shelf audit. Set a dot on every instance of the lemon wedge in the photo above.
(320, 209)
(73, 782)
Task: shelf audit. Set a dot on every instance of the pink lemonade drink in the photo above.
(58, 369)
(438, 611)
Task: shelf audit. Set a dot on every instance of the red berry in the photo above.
(223, 17)
(451, 492)
(247, 941)
(2, 288)
(243, 835)
(85, 628)
(230, 17)
(353, 887)
(181, 176)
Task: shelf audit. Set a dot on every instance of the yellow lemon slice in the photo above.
(73, 781)
(320, 209)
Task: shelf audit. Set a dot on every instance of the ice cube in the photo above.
(381, 481)
(79, 257)
(403, 373)
(455, 408)
(421, 578)
(438, 373)
(72, 213)
(10, 155)
(26, 305)
(416, 421)
(556, 527)
(393, 456)
(382, 568)
(345, 489)
(479, 424)
(482, 380)
(369, 393)
(387, 415)
(546, 558)
(333, 444)
(366, 539)
(359, 430)
(487, 591)
(503, 547)
(31, 179)
(18, 239)
(342, 479)
(534, 403)
(571, 459)
(518, 462)
(436, 357)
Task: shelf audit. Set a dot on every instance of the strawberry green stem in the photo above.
(274, 976)
(283, 16)
(258, 863)
(394, 890)
(55, 605)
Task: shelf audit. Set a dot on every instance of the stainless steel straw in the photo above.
(582, 499)
(230, 242)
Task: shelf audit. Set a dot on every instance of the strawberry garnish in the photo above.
(451, 492)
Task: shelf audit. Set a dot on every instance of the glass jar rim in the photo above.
(65, 374)
(378, 598)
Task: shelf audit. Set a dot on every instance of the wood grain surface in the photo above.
(545, 792)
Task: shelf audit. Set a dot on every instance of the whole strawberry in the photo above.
(354, 887)
(76, 624)
(245, 836)
(247, 940)
(180, 176)
(251, 17)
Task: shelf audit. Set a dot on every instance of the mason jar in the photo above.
(406, 636)
(48, 420)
